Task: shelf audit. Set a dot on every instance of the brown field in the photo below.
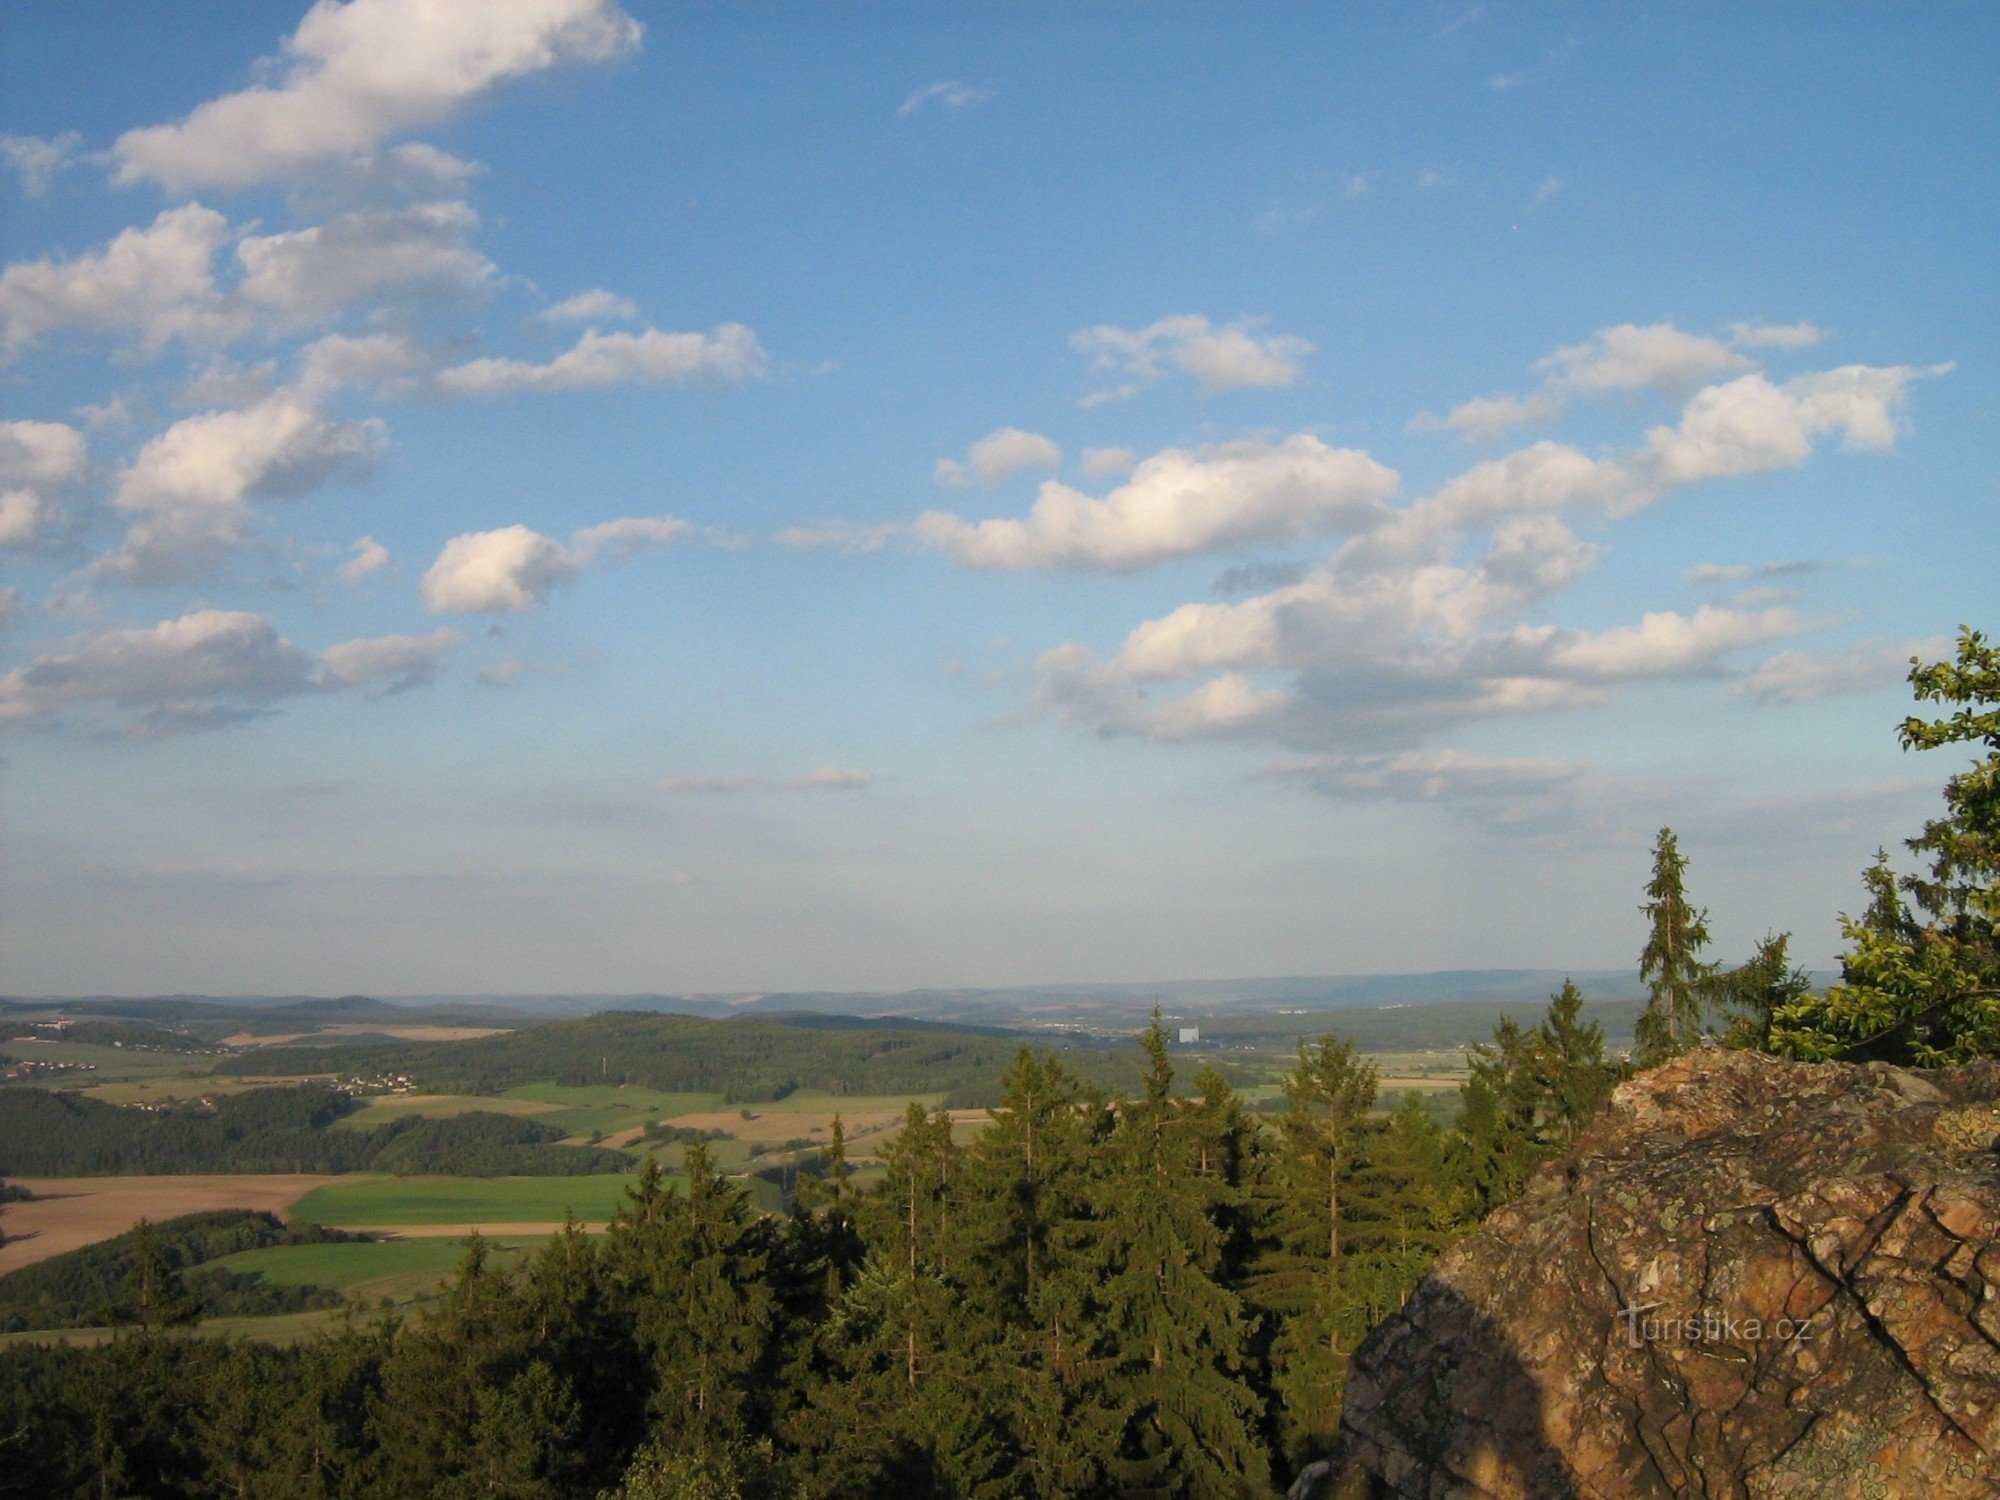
(362, 1028)
(773, 1127)
(67, 1213)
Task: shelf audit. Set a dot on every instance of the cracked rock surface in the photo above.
(1750, 1277)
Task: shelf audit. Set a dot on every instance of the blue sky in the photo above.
(541, 495)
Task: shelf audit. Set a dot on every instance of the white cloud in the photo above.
(512, 569)
(368, 255)
(1102, 463)
(1179, 503)
(39, 161)
(617, 541)
(207, 668)
(1506, 83)
(157, 281)
(190, 488)
(1224, 358)
(841, 536)
(363, 72)
(1363, 661)
(391, 663)
(1547, 188)
(1665, 644)
(731, 353)
(1775, 335)
(38, 460)
(1742, 426)
(413, 170)
(1630, 356)
(948, 93)
(387, 363)
(594, 306)
(369, 558)
(1627, 357)
(999, 455)
(1797, 676)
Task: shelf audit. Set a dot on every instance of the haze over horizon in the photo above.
(578, 497)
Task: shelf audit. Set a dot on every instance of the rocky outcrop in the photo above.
(1749, 1278)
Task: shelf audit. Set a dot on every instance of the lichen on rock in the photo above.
(1749, 1277)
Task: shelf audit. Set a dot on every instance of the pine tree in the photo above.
(155, 1295)
(1758, 989)
(1170, 1412)
(1920, 981)
(691, 1269)
(1671, 961)
(1302, 1276)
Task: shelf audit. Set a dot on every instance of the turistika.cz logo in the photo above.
(1707, 1326)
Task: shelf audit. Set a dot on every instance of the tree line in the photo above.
(285, 1129)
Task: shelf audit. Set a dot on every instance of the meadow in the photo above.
(367, 1201)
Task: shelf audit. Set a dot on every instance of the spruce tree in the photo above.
(1302, 1276)
(1671, 963)
(1920, 980)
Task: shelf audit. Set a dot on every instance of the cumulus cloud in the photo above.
(190, 488)
(389, 663)
(386, 363)
(370, 255)
(1179, 503)
(999, 455)
(1797, 676)
(38, 161)
(1224, 358)
(157, 281)
(369, 558)
(947, 93)
(358, 74)
(729, 354)
(594, 306)
(512, 569)
(1423, 620)
(207, 668)
(38, 460)
(1628, 357)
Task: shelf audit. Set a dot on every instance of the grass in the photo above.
(462, 1200)
(607, 1107)
(371, 1270)
(382, 1109)
(113, 1064)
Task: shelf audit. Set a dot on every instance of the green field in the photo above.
(381, 1109)
(463, 1200)
(111, 1064)
(608, 1107)
(368, 1269)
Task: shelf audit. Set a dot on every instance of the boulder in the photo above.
(1750, 1277)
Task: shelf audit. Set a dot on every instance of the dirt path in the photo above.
(67, 1213)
